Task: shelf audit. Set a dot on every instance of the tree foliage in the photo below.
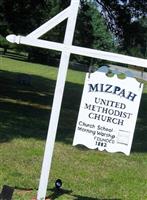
(123, 18)
(120, 13)
(91, 30)
(21, 18)
(126, 19)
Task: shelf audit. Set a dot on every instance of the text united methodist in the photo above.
(108, 110)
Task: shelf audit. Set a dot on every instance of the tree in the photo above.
(102, 37)
(118, 13)
(135, 41)
(21, 15)
(122, 18)
(22, 18)
(91, 31)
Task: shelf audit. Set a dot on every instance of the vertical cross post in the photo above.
(64, 62)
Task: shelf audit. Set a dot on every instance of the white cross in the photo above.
(66, 48)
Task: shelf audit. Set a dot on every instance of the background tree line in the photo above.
(118, 26)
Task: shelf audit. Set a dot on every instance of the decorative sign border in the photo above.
(108, 112)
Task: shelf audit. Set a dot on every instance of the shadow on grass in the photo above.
(57, 193)
(25, 110)
(140, 135)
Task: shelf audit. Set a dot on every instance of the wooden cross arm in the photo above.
(78, 50)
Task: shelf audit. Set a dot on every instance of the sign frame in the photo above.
(108, 112)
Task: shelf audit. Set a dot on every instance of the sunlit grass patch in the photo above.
(86, 174)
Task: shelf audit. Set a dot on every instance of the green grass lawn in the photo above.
(86, 174)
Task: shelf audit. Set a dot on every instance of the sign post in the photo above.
(65, 56)
(66, 49)
(32, 39)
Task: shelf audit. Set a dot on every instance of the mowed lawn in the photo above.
(86, 174)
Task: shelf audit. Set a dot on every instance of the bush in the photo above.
(4, 43)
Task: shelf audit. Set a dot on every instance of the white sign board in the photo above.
(108, 113)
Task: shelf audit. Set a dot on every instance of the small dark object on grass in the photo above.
(58, 183)
(6, 193)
